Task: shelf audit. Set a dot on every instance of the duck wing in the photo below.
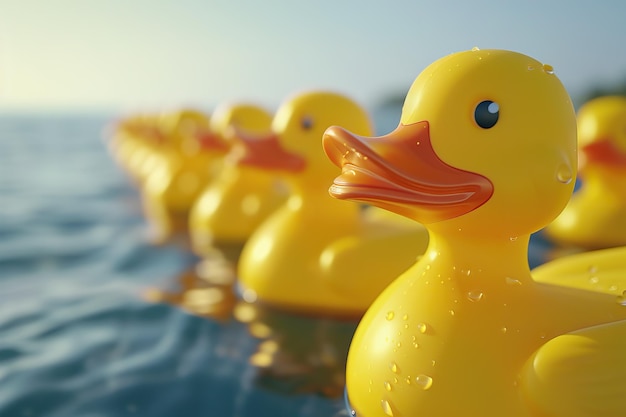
(579, 374)
(362, 265)
(601, 271)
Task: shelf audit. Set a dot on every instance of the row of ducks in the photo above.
(261, 181)
(455, 322)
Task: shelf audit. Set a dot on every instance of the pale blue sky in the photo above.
(149, 54)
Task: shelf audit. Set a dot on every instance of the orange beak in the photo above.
(402, 173)
(265, 151)
(210, 141)
(604, 152)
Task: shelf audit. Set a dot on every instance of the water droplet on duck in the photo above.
(621, 299)
(422, 327)
(594, 280)
(513, 238)
(451, 312)
(405, 317)
(390, 315)
(530, 68)
(424, 381)
(548, 69)
(512, 281)
(475, 295)
(593, 269)
(503, 329)
(394, 367)
(564, 174)
(387, 385)
(386, 407)
(408, 380)
(476, 48)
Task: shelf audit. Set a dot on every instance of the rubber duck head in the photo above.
(486, 145)
(188, 133)
(230, 118)
(602, 133)
(595, 217)
(292, 147)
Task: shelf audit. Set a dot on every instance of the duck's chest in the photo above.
(443, 344)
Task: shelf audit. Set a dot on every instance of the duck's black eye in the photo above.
(486, 114)
(306, 122)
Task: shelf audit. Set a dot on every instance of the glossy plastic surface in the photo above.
(317, 255)
(596, 215)
(240, 198)
(467, 330)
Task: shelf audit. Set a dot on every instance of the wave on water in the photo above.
(77, 336)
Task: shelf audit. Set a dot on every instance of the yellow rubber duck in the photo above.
(235, 203)
(484, 155)
(133, 143)
(596, 215)
(183, 166)
(302, 257)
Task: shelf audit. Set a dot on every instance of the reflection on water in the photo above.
(205, 290)
(295, 354)
(298, 354)
(197, 296)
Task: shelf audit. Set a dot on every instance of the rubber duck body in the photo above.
(241, 197)
(191, 158)
(596, 215)
(485, 155)
(316, 255)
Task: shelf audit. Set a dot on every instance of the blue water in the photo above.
(90, 316)
(77, 335)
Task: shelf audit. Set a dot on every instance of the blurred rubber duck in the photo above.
(191, 158)
(596, 215)
(484, 155)
(235, 203)
(316, 255)
(133, 142)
